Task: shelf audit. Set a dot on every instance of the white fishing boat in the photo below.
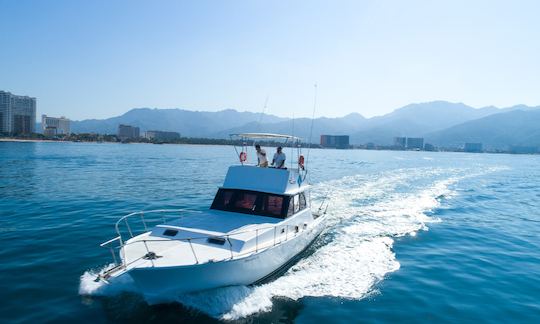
(260, 220)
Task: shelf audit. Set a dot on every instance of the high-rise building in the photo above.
(336, 141)
(17, 114)
(415, 143)
(126, 132)
(400, 142)
(473, 147)
(55, 126)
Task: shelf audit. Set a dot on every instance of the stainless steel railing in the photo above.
(161, 215)
(257, 248)
(278, 238)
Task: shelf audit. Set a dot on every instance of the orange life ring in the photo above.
(301, 161)
(243, 157)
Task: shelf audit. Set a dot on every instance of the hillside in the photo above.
(301, 127)
(499, 131)
(440, 122)
(186, 122)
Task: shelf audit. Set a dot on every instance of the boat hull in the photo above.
(163, 281)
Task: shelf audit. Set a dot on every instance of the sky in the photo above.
(98, 59)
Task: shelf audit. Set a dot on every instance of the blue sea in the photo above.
(411, 236)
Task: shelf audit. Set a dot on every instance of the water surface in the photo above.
(412, 236)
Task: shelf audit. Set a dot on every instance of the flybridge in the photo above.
(287, 178)
(271, 180)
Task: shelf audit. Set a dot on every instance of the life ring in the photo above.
(243, 157)
(301, 161)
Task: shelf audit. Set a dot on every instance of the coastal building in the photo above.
(517, 149)
(126, 132)
(17, 114)
(335, 141)
(429, 147)
(53, 126)
(473, 147)
(415, 143)
(400, 142)
(161, 136)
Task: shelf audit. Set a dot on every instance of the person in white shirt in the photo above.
(261, 157)
(279, 159)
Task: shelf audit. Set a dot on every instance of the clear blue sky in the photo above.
(97, 59)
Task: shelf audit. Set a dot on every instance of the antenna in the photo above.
(262, 114)
(312, 120)
(259, 128)
(292, 141)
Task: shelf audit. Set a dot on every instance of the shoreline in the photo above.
(28, 140)
(20, 140)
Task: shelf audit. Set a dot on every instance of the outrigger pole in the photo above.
(312, 121)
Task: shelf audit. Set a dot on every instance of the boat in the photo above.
(260, 221)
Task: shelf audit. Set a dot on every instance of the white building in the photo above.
(162, 136)
(55, 126)
(17, 114)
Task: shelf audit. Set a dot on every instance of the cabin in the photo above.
(269, 192)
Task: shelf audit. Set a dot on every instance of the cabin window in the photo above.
(296, 204)
(245, 200)
(227, 195)
(303, 204)
(251, 202)
(296, 201)
(272, 204)
(290, 211)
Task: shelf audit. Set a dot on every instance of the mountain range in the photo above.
(440, 122)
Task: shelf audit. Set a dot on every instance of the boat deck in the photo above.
(216, 236)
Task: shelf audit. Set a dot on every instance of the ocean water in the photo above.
(411, 236)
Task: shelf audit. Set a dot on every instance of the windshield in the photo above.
(251, 202)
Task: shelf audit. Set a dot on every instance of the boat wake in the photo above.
(354, 253)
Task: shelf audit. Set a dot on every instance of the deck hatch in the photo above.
(170, 232)
(216, 240)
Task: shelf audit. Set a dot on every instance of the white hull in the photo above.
(154, 282)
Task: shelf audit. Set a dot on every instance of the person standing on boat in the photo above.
(261, 157)
(279, 159)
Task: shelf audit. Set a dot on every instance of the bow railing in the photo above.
(265, 237)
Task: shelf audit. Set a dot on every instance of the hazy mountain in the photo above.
(186, 122)
(430, 116)
(301, 127)
(416, 120)
(441, 122)
(514, 127)
(411, 120)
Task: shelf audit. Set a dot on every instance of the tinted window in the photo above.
(227, 196)
(222, 200)
(250, 202)
(290, 211)
(245, 200)
(296, 204)
(272, 204)
(302, 201)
